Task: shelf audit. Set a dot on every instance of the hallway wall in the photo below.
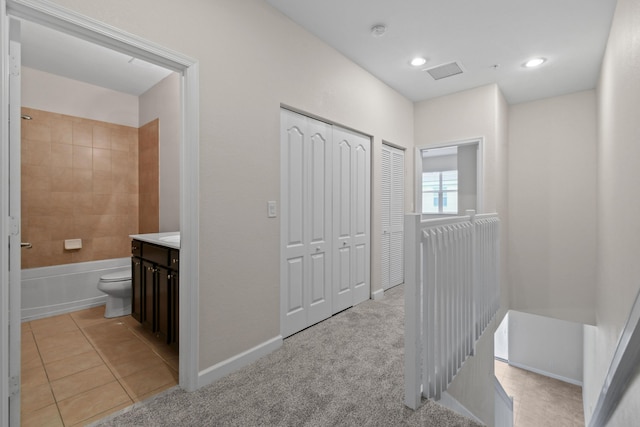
(252, 60)
(618, 269)
(552, 207)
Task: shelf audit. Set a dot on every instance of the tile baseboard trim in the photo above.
(226, 367)
(28, 314)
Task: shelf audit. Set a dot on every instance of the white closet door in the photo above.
(392, 216)
(351, 218)
(305, 296)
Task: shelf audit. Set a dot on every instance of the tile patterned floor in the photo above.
(539, 400)
(80, 367)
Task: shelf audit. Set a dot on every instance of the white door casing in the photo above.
(14, 223)
(59, 18)
(351, 218)
(305, 221)
(392, 216)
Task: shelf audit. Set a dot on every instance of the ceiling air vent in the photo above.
(443, 71)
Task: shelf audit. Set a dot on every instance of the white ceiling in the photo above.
(58, 53)
(478, 34)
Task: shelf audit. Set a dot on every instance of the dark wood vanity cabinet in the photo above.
(155, 283)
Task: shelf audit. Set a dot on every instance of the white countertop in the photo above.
(159, 239)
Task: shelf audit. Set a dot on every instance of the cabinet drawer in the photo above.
(157, 254)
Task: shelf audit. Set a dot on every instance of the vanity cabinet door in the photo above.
(136, 288)
(148, 298)
(163, 303)
(175, 309)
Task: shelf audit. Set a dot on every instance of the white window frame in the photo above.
(441, 194)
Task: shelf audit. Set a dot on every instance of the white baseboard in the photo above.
(224, 368)
(28, 314)
(546, 374)
(377, 295)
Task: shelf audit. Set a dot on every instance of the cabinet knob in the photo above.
(169, 276)
(174, 260)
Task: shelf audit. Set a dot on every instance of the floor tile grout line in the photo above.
(81, 327)
(105, 361)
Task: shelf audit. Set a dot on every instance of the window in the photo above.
(440, 192)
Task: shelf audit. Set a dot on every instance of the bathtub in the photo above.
(47, 291)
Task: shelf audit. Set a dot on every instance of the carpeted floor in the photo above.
(347, 370)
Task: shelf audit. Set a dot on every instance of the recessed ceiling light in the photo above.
(534, 62)
(418, 61)
(378, 30)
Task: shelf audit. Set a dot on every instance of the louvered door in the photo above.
(392, 216)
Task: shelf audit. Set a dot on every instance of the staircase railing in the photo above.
(452, 292)
(622, 368)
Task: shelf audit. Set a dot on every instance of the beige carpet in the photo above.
(347, 370)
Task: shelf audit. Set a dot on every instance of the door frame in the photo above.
(88, 29)
(479, 141)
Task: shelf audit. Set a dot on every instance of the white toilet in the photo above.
(117, 286)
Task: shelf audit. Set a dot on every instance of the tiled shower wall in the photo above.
(79, 181)
(149, 179)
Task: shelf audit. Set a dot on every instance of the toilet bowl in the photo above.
(117, 286)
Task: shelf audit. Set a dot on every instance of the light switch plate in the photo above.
(272, 209)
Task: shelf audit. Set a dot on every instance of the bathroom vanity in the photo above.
(155, 277)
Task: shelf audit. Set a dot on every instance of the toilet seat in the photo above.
(117, 276)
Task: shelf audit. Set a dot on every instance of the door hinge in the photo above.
(14, 226)
(14, 386)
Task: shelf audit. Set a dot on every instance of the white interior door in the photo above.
(351, 218)
(305, 222)
(392, 216)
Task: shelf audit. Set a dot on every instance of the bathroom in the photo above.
(98, 165)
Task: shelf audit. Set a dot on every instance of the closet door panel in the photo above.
(319, 221)
(351, 188)
(306, 222)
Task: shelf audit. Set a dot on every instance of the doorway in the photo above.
(60, 19)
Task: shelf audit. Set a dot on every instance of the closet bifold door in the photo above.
(351, 218)
(305, 269)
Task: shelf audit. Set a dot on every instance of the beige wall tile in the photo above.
(69, 189)
(61, 179)
(82, 134)
(102, 182)
(61, 155)
(101, 137)
(101, 159)
(62, 131)
(82, 180)
(36, 130)
(82, 157)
